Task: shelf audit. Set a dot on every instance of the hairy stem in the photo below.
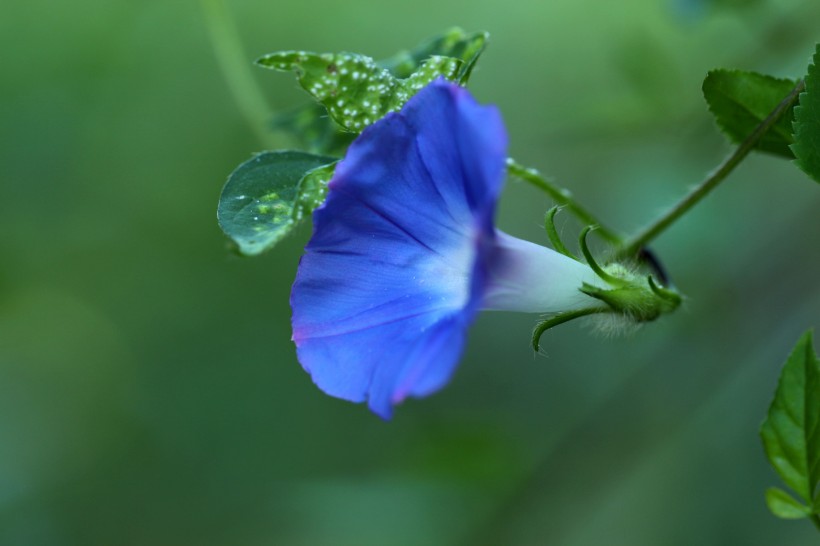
(561, 196)
(634, 244)
(236, 69)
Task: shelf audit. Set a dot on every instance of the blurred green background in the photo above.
(149, 391)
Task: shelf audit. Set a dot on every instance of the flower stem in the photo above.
(634, 244)
(236, 69)
(561, 196)
(815, 519)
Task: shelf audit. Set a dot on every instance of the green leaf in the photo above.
(353, 88)
(740, 101)
(454, 43)
(806, 145)
(266, 197)
(318, 132)
(791, 431)
(784, 505)
(312, 190)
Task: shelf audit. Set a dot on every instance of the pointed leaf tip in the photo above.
(454, 43)
(354, 90)
(791, 431)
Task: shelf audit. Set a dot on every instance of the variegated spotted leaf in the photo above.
(454, 43)
(317, 132)
(354, 89)
(267, 196)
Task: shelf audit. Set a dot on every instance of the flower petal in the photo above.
(393, 274)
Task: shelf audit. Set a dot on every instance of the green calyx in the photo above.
(634, 297)
(637, 298)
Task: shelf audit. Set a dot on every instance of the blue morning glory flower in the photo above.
(404, 254)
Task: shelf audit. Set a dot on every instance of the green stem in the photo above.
(561, 196)
(236, 69)
(815, 519)
(631, 247)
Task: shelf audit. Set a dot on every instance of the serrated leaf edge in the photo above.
(812, 74)
(718, 119)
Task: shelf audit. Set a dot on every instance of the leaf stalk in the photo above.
(562, 196)
(640, 240)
